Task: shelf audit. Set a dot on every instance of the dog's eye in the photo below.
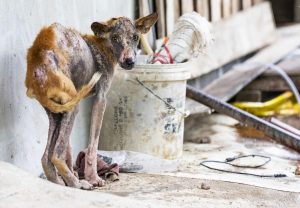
(115, 38)
(135, 37)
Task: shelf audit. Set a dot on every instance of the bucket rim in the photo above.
(159, 68)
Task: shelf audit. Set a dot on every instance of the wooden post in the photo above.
(187, 6)
(172, 14)
(246, 4)
(161, 26)
(145, 9)
(226, 8)
(257, 1)
(235, 6)
(202, 7)
(215, 10)
(297, 11)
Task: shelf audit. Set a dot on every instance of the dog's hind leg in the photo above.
(60, 153)
(69, 160)
(90, 170)
(49, 169)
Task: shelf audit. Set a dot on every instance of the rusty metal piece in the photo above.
(277, 133)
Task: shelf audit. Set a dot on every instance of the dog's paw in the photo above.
(96, 181)
(85, 185)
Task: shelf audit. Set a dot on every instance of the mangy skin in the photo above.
(60, 63)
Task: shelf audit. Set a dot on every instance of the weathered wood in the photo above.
(249, 96)
(226, 8)
(257, 1)
(202, 7)
(161, 26)
(215, 10)
(235, 37)
(172, 14)
(246, 4)
(291, 66)
(297, 11)
(241, 75)
(145, 8)
(235, 6)
(187, 6)
(270, 81)
(272, 84)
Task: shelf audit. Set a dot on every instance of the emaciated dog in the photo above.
(63, 67)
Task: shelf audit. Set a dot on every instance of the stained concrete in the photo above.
(23, 123)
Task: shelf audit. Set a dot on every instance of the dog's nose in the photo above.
(129, 62)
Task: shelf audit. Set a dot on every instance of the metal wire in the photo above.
(229, 160)
(283, 74)
(168, 104)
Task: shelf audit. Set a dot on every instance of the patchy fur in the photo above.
(63, 67)
(49, 67)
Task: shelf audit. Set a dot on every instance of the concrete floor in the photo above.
(20, 189)
(171, 191)
(190, 186)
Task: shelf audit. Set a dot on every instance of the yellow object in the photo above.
(283, 104)
(145, 44)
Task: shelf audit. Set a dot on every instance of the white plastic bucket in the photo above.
(145, 110)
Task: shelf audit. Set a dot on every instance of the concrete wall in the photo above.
(23, 122)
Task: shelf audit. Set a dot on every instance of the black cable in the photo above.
(229, 160)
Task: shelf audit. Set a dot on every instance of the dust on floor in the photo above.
(169, 191)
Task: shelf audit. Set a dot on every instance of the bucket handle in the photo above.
(184, 114)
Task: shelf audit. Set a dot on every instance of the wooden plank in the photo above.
(161, 27)
(235, 6)
(257, 1)
(146, 8)
(297, 11)
(172, 14)
(272, 84)
(202, 7)
(226, 8)
(249, 96)
(215, 10)
(270, 81)
(241, 75)
(291, 66)
(246, 4)
(187, 6)
(236, 37)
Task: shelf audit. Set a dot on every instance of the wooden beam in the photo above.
(226, 8)
(272, 84)
(161, 26)
(172, 14)
(215, 10)
(146, 8)
(235, 6)
(187, 6)
(202, 7)
(241, 75)
(297, 11)
(270, 81)
(257, 1)
(246, 4)
(236, 37)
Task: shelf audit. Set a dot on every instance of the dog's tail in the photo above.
(84, 91)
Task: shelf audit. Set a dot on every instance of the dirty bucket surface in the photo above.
(145, 110)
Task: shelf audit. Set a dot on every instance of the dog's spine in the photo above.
(84, 91)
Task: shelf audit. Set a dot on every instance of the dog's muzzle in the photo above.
(127, 60)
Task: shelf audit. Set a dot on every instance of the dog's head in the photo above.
(123, 36)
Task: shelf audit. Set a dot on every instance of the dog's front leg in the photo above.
(90, 170)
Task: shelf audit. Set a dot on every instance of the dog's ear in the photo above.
(100, 29)
(143, 24)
